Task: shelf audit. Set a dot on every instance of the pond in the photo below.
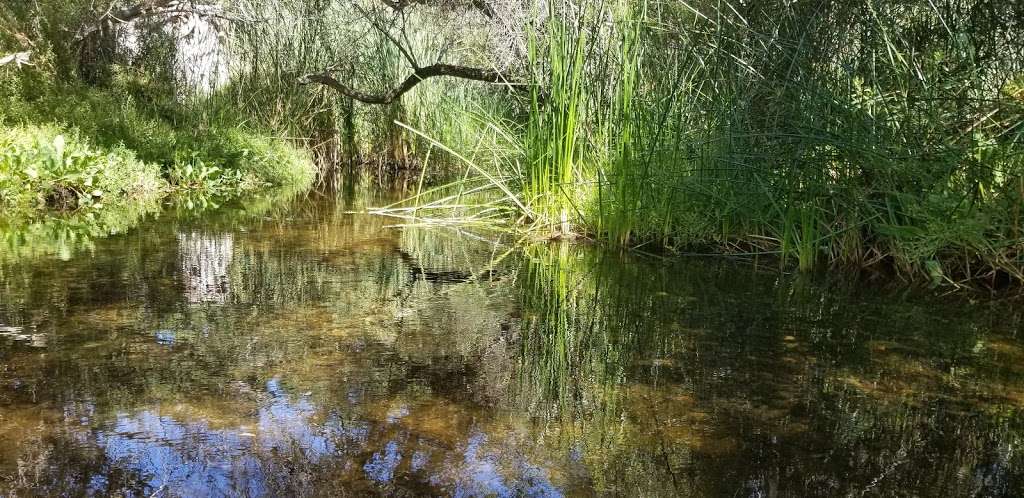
(301, 349)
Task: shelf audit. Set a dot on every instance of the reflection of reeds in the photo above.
(696, 365)
(573, 333)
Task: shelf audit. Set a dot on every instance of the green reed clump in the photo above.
(552, 145)
(867, 134)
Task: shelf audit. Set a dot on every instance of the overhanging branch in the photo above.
(400, 5)
(150, 8)
(420, 74)
(127, 14)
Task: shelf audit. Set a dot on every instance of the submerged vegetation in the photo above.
(874, 135)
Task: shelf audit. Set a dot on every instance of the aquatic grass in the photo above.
(762, 128)
(496, 182)
(551, 139)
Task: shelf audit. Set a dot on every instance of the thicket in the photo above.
(78, 144)
(870, 134)
(866, 134)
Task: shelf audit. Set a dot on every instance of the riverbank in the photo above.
(73, 149)
(886, 145)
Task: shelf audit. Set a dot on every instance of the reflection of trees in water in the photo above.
(691, 381)
(205, 261)
(626, 375)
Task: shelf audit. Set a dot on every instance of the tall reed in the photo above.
(873, 134)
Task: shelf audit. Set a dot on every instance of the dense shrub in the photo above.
(46, 167)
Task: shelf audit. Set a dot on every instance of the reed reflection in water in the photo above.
(314, 352)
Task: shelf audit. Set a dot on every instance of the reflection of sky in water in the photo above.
(165, 337)
(382, 465)
(479, 474)
(284, 423)
(193, 459)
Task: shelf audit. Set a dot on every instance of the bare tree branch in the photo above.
(400, 5)
(483, 7)
(420, 74)
(406, 53)
(127, 14)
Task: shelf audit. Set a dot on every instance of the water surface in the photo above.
(298, 349)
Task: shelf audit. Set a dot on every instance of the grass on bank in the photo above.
(73, 147)
(881, 135)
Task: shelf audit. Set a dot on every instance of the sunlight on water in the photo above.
(307, 351)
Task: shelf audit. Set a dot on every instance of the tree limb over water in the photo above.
(419, 74)
(393, 16)
(399, 5)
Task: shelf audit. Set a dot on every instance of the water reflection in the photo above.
(314, 352)
(170, 449)
(19, 334)
(204, 263)
(194, 459)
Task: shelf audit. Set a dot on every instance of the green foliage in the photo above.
(868, 134)
(41, 167)
(251, 158)
(135, 119)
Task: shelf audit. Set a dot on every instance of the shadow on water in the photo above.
(298, 349)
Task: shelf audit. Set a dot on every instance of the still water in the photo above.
(297, 349)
